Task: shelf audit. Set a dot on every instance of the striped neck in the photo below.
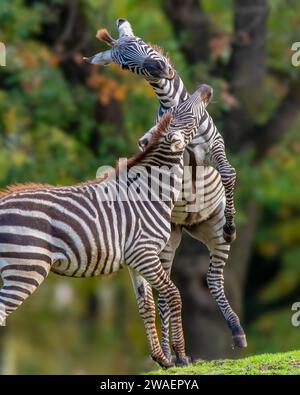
(169, 92)
(162, 155)
(165, 169)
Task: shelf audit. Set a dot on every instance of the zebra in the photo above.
(130, 52)
(207, 223)
(97, 227)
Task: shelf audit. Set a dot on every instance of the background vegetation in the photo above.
(61, 119)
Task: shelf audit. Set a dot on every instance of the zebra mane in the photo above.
(23, 187)
(14, 188)
(160, 130)
(161, 50)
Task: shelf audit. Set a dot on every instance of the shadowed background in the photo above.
(61, 119)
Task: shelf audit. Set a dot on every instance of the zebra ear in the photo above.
(101, 58)
(103, 35)
(206, 92)
(124, 27)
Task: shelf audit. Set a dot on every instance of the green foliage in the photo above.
(49, 133)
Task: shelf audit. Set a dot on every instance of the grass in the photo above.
(267, 364)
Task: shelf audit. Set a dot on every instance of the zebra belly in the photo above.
(106, 264)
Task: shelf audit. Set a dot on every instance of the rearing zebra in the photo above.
(206, 223)
(130, 52)
(94, 228)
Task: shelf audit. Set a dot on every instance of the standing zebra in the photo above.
(206, 224)
(94, 228)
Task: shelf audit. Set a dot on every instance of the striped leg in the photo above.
(149, 266)
(228, 176)
(19, 281)
(146, 306)
(211, 233)
(166, 257)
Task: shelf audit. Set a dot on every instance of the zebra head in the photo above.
(184, 115)
(133, 54)
(181, 123)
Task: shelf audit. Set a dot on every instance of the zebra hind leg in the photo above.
(215, 280)
(211, 234)
(19, 282)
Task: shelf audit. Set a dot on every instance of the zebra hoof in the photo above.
(181, 361)
(229, 233)
(239, 341)
(163, 361)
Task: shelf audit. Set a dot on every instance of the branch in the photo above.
(247, 69)
(70, 23)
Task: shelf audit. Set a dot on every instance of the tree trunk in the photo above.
(191, 26)
(247, 70)
(206, 333)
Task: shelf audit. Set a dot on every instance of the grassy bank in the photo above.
(281, 363)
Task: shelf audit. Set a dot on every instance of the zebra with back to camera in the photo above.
(206, 224)
(88, 230)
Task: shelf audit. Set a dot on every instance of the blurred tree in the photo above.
(60, 119)
(243, 129)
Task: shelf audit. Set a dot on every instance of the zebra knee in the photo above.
(228, 175)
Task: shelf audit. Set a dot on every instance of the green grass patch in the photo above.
(266, 364)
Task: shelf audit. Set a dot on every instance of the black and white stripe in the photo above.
(213, 222)
(86, 230)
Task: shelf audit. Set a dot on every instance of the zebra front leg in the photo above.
(166, 257)
(146, 306)
(149, 266)
(20, 280)
(211, 234)
(228, 176)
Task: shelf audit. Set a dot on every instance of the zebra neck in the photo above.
(169, 92)
(166, 169)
